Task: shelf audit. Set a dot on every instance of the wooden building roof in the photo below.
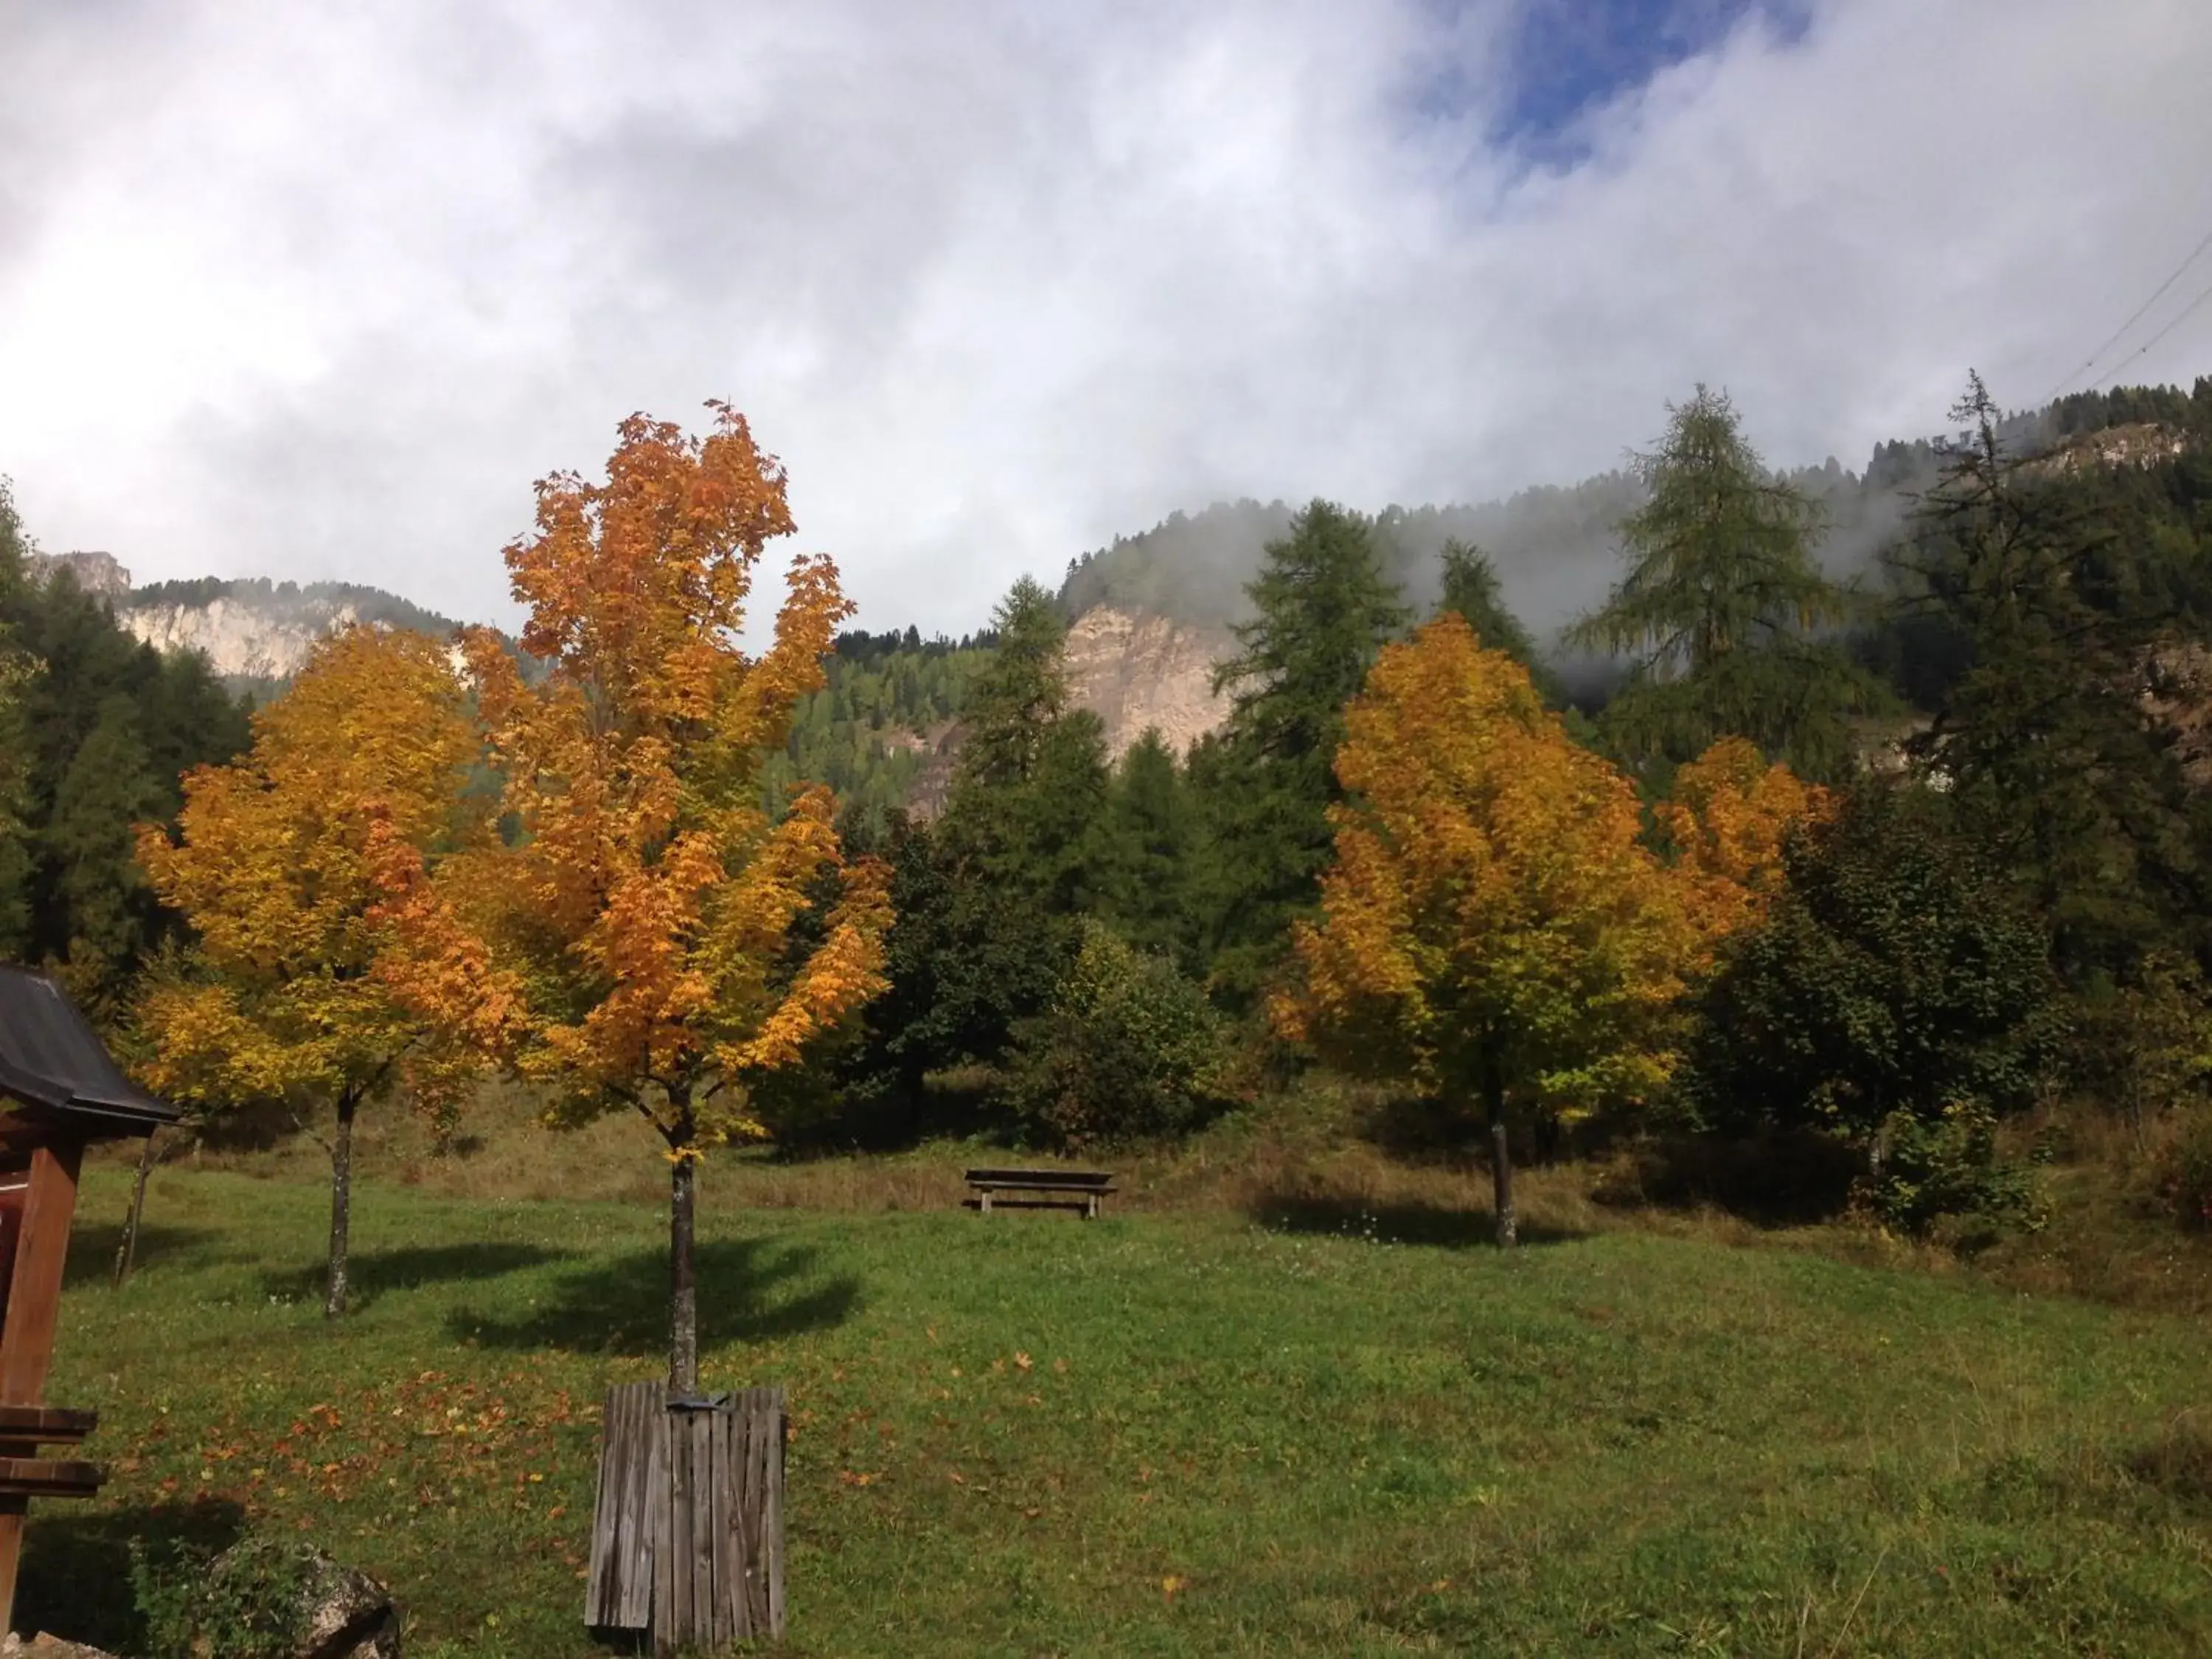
(53, 1064)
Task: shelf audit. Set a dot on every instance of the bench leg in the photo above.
(1091, 1208)
(984, 1205)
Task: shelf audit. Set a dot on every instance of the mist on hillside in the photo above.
(1556, 548)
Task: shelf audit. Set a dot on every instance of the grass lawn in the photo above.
(1157, 1434)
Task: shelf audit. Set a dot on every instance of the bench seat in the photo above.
(1075, 1189)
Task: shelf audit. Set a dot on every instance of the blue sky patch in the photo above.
(1564, 58)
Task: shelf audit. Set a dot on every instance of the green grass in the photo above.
(1158, 1434)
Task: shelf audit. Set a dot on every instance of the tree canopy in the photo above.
(1724, 611)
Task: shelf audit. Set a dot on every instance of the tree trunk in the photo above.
(1501, 1177)
(1501, 1152)
(126, 1252)
(334, 1295)
(683, 1286)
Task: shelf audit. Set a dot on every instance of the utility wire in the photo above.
(2182, 317)
(2089, 361)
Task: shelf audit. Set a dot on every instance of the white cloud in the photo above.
(317, 292)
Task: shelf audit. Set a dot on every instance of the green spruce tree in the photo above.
(1146, 846)
(988, 897)
(1724, 613)
(2045, 736)
(1471, 588)
(1324, 610)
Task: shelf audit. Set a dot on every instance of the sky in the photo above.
(318, 292)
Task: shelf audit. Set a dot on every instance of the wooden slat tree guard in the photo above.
(687, 1534)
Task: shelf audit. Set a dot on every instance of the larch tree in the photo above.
(1494, 929)
(280, 864)
(1724, 613)
(639, 928)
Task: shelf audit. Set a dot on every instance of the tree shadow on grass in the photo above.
(75, 1581)
(1450, 1227)
(749, 1291)
(370, 1273)
(93, 1245)
(1771, 1178)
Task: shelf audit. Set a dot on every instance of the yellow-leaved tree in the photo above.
(281, 864)
(1494, 929)
(653, 939)
(1730, 812)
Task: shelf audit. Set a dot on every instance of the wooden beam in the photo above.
(34, 1289)
(49, 1425)
(27, 1330)
(49, 1477)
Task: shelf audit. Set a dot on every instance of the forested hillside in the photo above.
(873, 730)
(1554, 547)
(98, 728)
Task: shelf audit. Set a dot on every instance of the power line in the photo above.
(2180, 318)
(2157, 294)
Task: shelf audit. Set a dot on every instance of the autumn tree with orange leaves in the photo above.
(280, 865)
(1494, 929)
(1729, 813)
(649, 939)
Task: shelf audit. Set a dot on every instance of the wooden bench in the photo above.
(1063, 1190)
(23, 1429)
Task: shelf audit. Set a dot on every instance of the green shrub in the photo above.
(1949, 1166)
(1127, 1048)
(2185, 1170)
(1896, 996)
(246, 1605)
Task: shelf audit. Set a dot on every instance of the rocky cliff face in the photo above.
(1135, 670)
(243, 641)
(95, 572)
(2142, 444)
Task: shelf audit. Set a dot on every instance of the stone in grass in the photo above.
(349, 1615)
(47, 1647)
(343, 1613)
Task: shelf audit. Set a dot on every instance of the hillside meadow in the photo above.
(1284, 1400)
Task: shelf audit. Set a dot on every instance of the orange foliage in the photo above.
(1730, 813)
(637, 943)
(278, 866)
(1493, 926)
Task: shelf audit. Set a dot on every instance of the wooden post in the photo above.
(27, 1324)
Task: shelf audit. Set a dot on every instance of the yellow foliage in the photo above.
(637, 942)
(1493, 927)
(278, 866)
(1728, 817)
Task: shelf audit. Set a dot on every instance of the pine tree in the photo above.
(105, 910)
(1324, 610)
(987, 900)
(1722, 610)
(1471, 589)
(2045, 736)
(1147, 845)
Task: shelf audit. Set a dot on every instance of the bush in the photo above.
(1949, 1166)
(246, 1605)
(1895, 995)
(2185, 1170)
(1127, 1048)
